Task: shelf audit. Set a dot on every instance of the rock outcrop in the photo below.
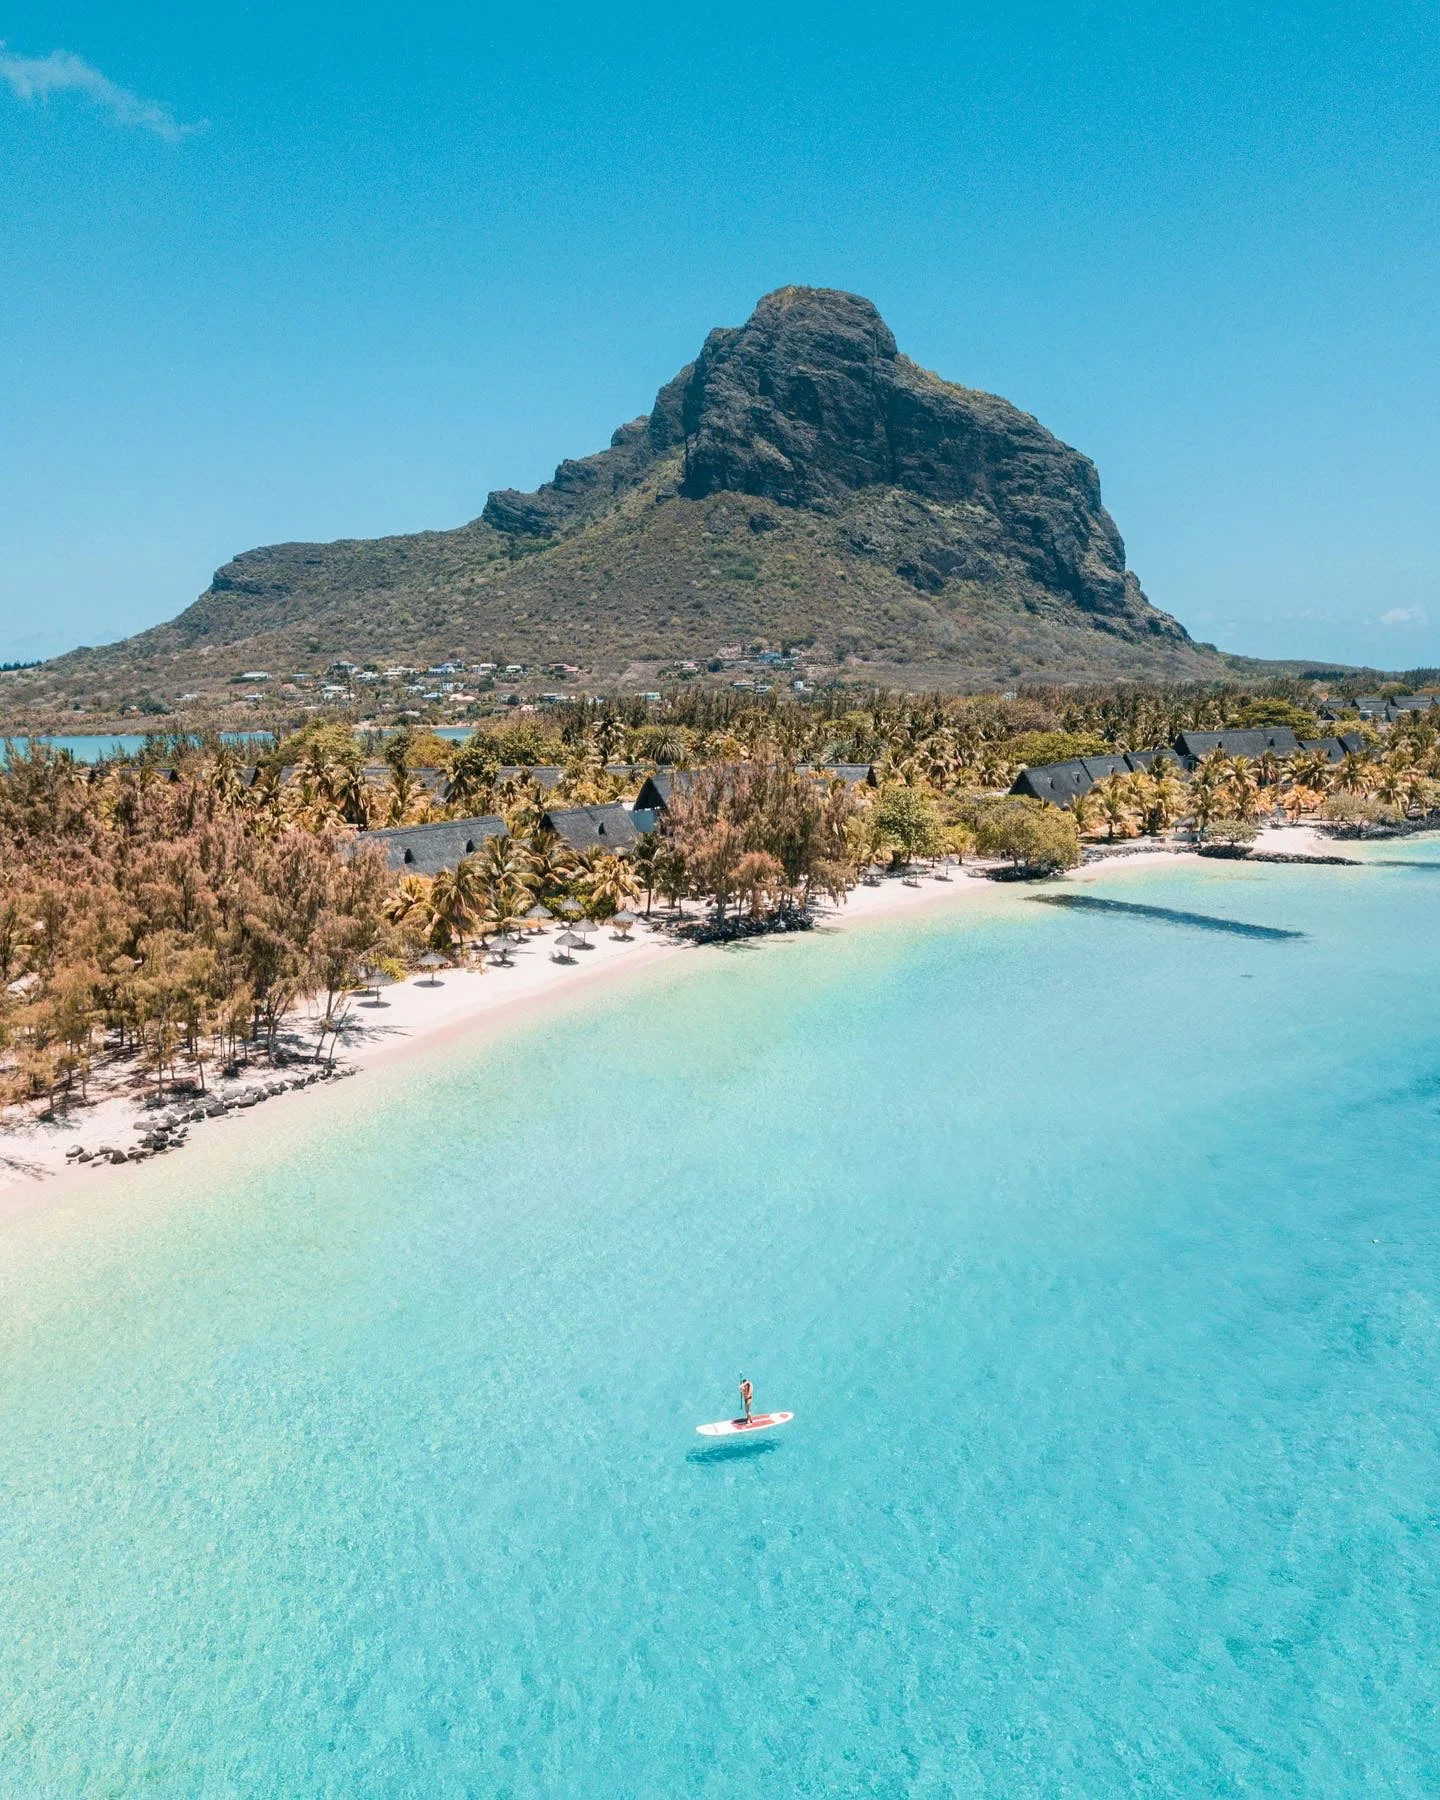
(810, 404)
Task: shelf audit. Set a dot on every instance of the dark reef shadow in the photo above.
(1167, 915)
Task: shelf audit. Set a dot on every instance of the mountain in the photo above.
(801, 485)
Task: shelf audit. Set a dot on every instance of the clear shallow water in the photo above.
(371, 1469)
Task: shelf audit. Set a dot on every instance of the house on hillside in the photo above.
(1409, 703)
(1278, 740)
(612, 828)
(427, 849)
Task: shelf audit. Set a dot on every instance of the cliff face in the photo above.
(800, 484)
(811, 405)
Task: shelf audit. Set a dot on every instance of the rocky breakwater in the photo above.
(161, 1127)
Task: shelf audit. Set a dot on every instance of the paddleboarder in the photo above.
(747, 1393)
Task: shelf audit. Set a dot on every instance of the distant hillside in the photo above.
(800, 485)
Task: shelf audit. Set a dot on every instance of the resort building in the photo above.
(545, 777)
(657, 790)
(427, 849)
(1061, 783)
(613, 828)
(1276, 740)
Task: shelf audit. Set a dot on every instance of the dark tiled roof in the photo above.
(1062, 782)
(1279, 738)
(1059, 783)
(1144, 759)
(1333, 747)
(658, 789)
(427, 849)
(1403, 703)
(593, 827)
(544, 776)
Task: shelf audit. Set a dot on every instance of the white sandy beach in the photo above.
(34, 1167)
(419, 1011)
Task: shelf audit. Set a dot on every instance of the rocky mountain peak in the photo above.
(810, 404)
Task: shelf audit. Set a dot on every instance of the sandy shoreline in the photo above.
(419, 1013)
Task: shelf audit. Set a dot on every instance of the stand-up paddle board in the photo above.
(733, 1427)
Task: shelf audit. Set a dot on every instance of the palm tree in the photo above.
(645, 859)
(1391, 787)
(448, 908)
(1208, 804)
(1356, 774)
(1418, 790)
(503, 913)
(503, 861)
(1086, 809)
(352, 795)
(1167, 802)
(610, 738)
(404, 789)
(1113, 803)
(1244, 787)
(407, 900)
(609, 886)
(317, 778)
(1311, 769)
(552, 863)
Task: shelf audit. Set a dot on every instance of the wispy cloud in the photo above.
(33, 78)
(1403, 615)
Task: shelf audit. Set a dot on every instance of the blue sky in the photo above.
(309, 271)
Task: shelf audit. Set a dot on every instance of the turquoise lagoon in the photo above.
(94, 747)
(1098, 1257)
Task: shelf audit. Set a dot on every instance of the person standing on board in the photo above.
(747, 1393)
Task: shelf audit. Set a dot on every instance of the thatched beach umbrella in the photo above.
(624, 924)
(432, 960)
(539, 916)
(565, 943)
